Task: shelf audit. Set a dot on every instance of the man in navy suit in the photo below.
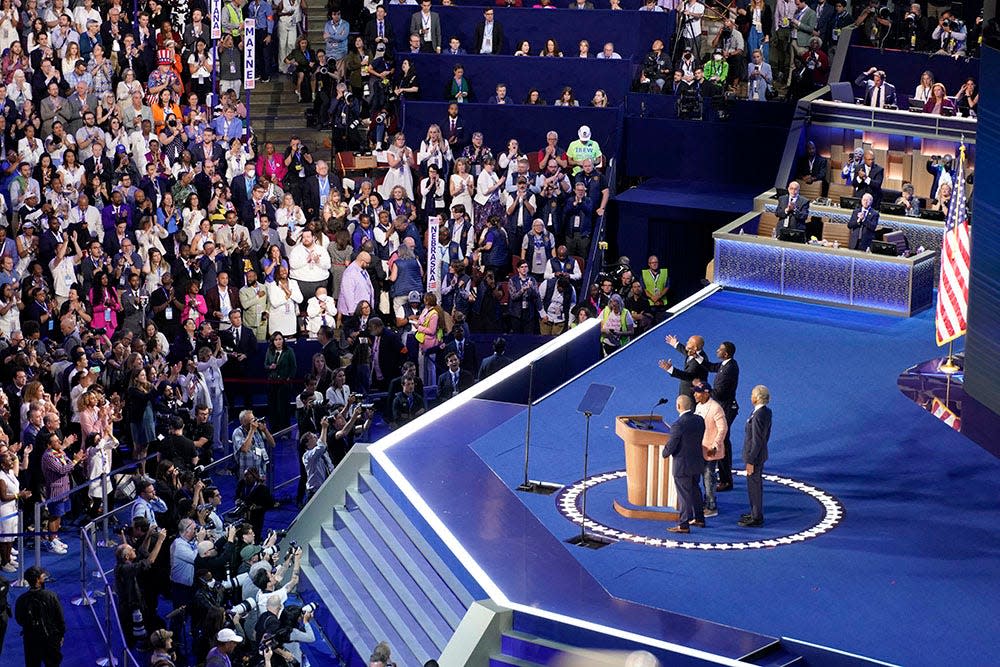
(724, 385)
(454, 130)
(454, 379)
(694, 364)
(684, 445)
(758, 432)
(868, 178)
(878, 92)
(792, 211)
(862, 224)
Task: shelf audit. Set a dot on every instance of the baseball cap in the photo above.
(248, 552)
(583, 133)
(702, 388)
(227, 635)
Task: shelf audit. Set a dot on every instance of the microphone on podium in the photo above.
(662, 401)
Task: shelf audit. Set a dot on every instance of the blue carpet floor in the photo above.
(911, 575)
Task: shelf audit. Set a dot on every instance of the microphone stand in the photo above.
(529, 485)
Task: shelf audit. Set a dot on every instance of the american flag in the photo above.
(953, 288)
(948, 416)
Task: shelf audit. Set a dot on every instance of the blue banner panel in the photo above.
(982, 345)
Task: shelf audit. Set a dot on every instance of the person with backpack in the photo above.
(40, 615)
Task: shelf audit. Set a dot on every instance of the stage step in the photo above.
(381, 581)
(507, 661)
(532, 648)
(774, 655)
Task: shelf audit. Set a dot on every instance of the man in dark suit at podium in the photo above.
(688, 465)
(792, 212)
(725, 384)
(758, 432)
(864, 220)
(694, 364)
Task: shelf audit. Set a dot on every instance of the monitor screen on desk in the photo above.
(780, 192)
(883, 248)
(791, 235)
(849, 202)
(893, 208)
(928, 214)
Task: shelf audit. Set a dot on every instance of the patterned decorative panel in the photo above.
(748, 265)
(881, 285)
(924, 282)
(817, 275)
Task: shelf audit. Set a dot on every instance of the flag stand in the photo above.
(949, 366)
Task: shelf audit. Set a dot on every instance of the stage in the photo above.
(879, 538)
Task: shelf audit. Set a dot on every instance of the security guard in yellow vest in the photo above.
(655, 283)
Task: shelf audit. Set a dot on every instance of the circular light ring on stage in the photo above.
(833, 514)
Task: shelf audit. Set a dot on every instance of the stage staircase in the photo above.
(379, 580)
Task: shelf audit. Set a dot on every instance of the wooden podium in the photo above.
(651, 490)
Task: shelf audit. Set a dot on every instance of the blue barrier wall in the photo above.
(705, 150)
(982, 345)
(527, 124)
(549, 75)
(631, 32)
(903, 68)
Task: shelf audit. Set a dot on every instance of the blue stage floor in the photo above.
(908, 572)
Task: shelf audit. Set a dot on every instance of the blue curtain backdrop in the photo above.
(632, 33)
(528, 124)
(549, 75)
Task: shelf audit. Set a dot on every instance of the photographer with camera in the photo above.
(915, 32)
(133, 609)
(950, 35)
(268, 581)
(252, 442)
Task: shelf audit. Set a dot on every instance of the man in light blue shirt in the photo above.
(335, 34)
(183, 551)
(147, 505)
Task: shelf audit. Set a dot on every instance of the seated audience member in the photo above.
(608, 53)
(551, 49)
(535, 98)
(949, 36)
(813, 167)
(500, 97)
(878, 92)
(655, 69)
(600, 99)
(716, 72)
(792, 212)
(759, 77)
(523, 49)
(864, 220)
(923, 90)
(583, 49)
(938, 103)
(967, 99)
(910, 201)
(455, 47)
(650, 6)
(566, 98)
(581, 4)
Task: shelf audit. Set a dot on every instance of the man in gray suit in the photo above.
(688, 465)
(53, 108)
(427, 25)
(80, 102)
(758, 432)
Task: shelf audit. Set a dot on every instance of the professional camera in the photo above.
(382, 117)
(323, 70)
(946, 24)
(244, 607)
(910, 19)
(309, 608)
(200, 474)
(885, 13)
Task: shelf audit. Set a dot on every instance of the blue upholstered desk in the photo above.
(900, 286)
